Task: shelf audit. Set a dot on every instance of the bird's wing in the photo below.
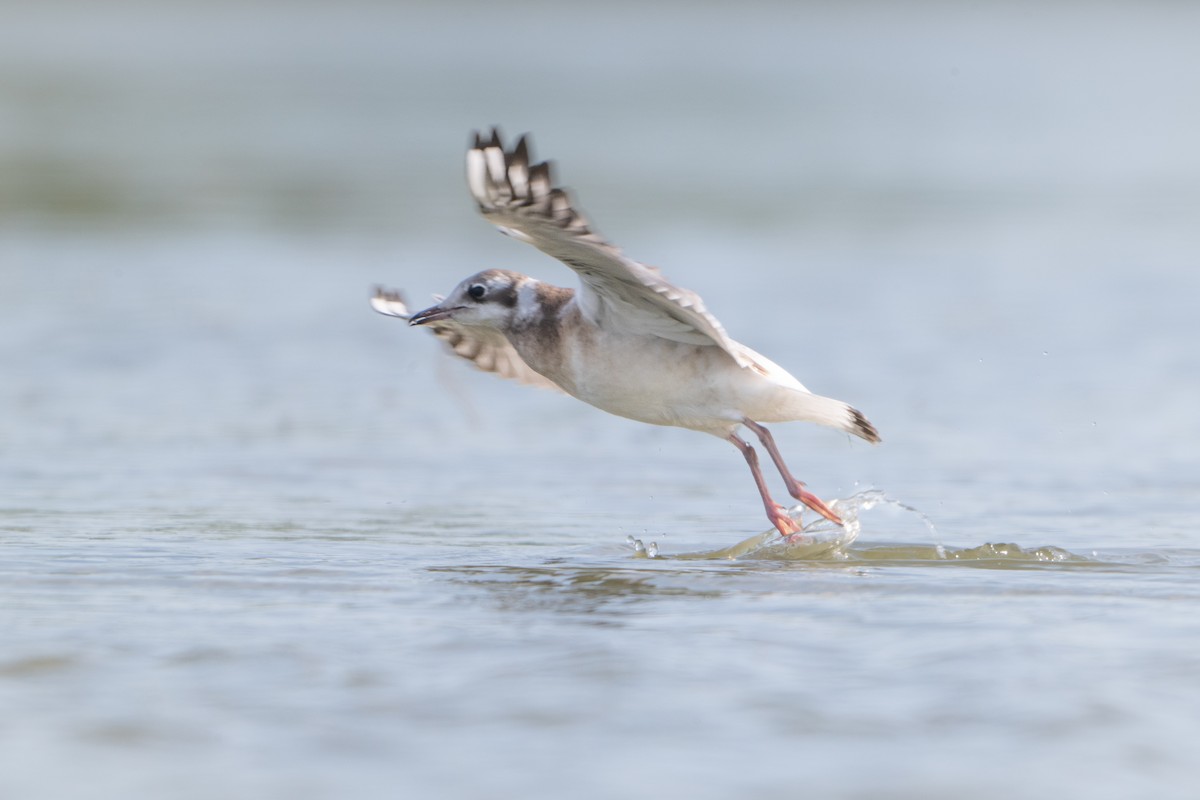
(522, 201)
(487, 349)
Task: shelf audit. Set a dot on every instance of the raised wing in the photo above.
(522, 201)
(487, 349)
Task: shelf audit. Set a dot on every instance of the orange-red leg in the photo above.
(775, 512)
(795, 488)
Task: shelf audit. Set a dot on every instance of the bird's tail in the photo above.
(834, 413)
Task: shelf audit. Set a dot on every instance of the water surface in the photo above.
(256, 541)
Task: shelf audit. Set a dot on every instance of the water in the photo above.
(256, 541)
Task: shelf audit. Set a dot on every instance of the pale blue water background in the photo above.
(258, 542)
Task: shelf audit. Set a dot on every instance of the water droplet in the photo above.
(652, 550)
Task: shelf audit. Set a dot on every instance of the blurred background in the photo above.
(979, 223)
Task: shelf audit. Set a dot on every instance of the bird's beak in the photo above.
(433, 314)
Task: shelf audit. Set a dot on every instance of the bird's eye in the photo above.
(477, 291)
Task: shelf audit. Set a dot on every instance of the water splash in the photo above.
(852, 506)
(642, 550)
(820, 539)
(823, 541)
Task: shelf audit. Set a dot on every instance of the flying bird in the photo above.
(627, 341)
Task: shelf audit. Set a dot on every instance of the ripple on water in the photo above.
(823, 542)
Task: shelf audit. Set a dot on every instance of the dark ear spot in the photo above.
(506, 295)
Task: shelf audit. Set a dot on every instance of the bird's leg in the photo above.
(775, 512)
(795, 488)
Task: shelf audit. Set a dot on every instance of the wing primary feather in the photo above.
(560, 207)
(518, 171)
(496, 177)
(477, 175)
(539, 182)
(520, 153)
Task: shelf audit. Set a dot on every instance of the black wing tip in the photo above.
(863, 427)
(520, 151)
(494, 137)
(543, 171)
(540, 173)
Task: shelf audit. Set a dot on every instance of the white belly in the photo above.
(660, 381)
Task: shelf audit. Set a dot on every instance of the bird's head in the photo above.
(487, 299)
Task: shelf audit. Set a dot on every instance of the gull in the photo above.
(627, 341)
